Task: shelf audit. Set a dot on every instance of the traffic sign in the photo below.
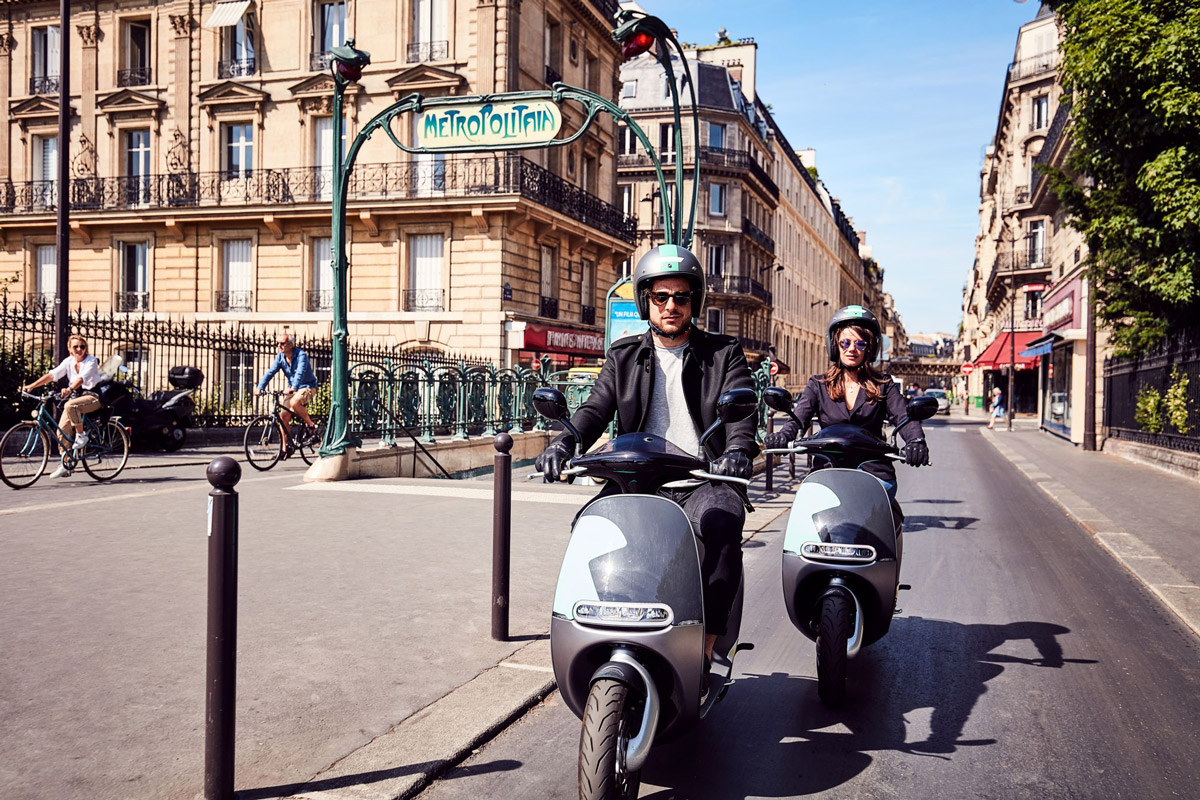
(968, 368)
(774, 367)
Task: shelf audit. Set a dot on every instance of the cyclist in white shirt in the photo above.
(83, 373)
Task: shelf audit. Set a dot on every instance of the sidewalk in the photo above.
(1145, 518)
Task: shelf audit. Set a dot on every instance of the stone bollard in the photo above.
(223, 473)
(501, 535)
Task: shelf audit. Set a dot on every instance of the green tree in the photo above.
(1132, 70)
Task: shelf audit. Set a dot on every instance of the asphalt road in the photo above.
(1026, 663)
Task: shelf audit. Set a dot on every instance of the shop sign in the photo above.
(562, 340)
(1061, 313)
(510, 124)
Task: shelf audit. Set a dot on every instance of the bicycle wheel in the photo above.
(24, 451)
(264, 442)
(311, 442)
(107, 451)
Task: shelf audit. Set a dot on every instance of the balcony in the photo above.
(39, 300)
(1020, 195)
(758, 345)
(428, 51)
(549, 307)
(131, 301)
(1052, 136)
(318, 300)
(1027, 265)
(738, 285)
(553, 76)
(135, 76)
(607, 8)
(587, 315)
(239, 300)
(237, 68)
(424, 299)
(43, 84)
(758, 236)
(456, 176)
(1029, 67)
(711, 156)
(319, 61)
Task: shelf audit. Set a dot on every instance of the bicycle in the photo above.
(266, 442)
(25, 447)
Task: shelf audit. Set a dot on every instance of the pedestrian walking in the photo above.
(997, 407)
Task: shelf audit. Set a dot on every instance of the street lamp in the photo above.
(346, 63)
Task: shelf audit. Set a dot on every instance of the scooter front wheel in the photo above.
(611, 718)
(833, 632)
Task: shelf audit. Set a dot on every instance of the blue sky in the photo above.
(899, 99)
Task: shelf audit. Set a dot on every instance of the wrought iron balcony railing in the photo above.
(131, 301)
(758, 236)
(749, 343)
(135, 76)
(1036, 65)
(237, 68)
(233, 300)
(1052, 136)
(424, 299)
(607, 8)
(40, 300)
(428, 51)
(455, 176)
(43, 84)
(319, 300)
(738, 284)
(553, 76)
(319, 61)
(549, 307)
(587, 315)
(713, 156)
(1020, 195)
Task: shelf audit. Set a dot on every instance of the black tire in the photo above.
(311, 445)
(175, 439)
(833, 631)
(107, 454)
(24, 451)
(263, 442)
(613, 714)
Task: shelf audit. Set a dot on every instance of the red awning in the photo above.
(996, 355)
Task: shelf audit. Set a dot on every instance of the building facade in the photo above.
(201, 162)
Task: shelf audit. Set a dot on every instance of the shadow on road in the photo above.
(362, 778)
(921, 523)
(777, 723)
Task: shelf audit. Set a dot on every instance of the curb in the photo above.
(1172, 589)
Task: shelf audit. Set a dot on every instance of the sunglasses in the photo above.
(283, 344)
(858, 345)
(661, 298)
(79, 347)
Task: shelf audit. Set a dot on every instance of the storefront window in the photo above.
(1056, 404)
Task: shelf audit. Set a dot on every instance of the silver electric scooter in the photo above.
(843, 545)
(627, 630)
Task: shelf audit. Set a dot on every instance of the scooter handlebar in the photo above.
(710, 476)
(566, 472)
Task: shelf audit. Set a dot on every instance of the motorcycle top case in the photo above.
(115, 395)
(185, 377)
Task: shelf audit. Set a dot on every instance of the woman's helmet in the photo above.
(854, 315)
(667, 261)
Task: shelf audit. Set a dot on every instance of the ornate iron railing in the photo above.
(548, 307)
(233, 300)
(132, 301)
(758, 235)
(319, 61)
(237, 68)
(428, 51)
(135, 76)
(1035, 65)
(40, 300)
(738, 284)
(43, 84)
(319, 299)
(1020, 195)
(424, 299)
(452, 176)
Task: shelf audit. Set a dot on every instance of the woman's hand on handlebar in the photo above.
(775, 441)
(916, 453)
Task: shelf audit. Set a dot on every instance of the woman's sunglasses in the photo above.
(661, 298)
(857, 344)
(79, 347)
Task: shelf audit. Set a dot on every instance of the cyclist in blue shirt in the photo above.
(302, 381)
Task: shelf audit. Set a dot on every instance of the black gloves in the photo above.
(551, 462)
(775, 441)
(734, 463)
(916, 453)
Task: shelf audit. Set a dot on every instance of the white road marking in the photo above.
(442, 491)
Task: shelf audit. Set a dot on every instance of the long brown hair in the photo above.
(868, 377)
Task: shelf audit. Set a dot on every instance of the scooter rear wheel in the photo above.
(833, 632)
(612, 716)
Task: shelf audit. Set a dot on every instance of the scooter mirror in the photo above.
(778, 398)
(737, 405)
(551, 403)
(922, 408)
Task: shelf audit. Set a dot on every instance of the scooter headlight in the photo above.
(627, 615)
(825, 551)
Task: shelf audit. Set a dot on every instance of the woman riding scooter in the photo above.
(852, 391)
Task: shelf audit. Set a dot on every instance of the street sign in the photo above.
(968, 368)
(469, 124)
(774, 367)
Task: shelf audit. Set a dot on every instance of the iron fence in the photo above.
(1166, 385)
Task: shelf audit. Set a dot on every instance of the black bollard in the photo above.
(792, 466)
(501, 535)
(223, 474)
(770, 458)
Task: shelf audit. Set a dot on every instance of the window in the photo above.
(329, 31)
(425, 273)
(238, 377)
(668, 84)
(553, 51)
(430, 40)
(132, 292)
(587, 292)
(590, 175)
(591, 74)
(45, 278)
(626, 268)
(626, 141)
(237, 48)
(716, 199)
(428, 169)
(1041, 113)
(137, 55)
(1037, 243)
(237, 276)
(47, 56)
(629, 89)
(238, 138)
(137, 166)
(323, 156)
(45, 171)
(716, 260)
(716, 136)
(549, 282)
(666, 141)
(716, 321)
(320, 296)
(1033, 304)
(627, 200)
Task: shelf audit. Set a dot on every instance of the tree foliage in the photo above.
(1132, 70)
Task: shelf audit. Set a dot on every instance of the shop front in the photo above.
(565, 347)
(1002, 354)
(1060, 376)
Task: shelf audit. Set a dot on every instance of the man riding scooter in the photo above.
(667, 382)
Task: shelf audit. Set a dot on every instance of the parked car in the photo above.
(943, 400)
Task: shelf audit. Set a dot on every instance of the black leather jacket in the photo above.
(713, 364)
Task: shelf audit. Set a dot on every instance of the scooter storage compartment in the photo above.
(185, 377)
(115, 395)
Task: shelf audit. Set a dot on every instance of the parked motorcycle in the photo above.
(162, 419)
(627, 630)
(843, 544)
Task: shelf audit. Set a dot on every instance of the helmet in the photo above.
(668, 261)
(854, 315)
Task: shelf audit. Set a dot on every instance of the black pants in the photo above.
(718, 515)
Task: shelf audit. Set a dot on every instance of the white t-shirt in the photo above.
(669, 417)
(88, 369)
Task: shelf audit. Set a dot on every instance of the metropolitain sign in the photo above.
(520, 122)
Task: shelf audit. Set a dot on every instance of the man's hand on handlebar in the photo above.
(734, 463)
(776, 441)
(551, 462)
(916, 453)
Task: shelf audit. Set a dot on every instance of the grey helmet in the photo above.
(854, 315)
(668, 261)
